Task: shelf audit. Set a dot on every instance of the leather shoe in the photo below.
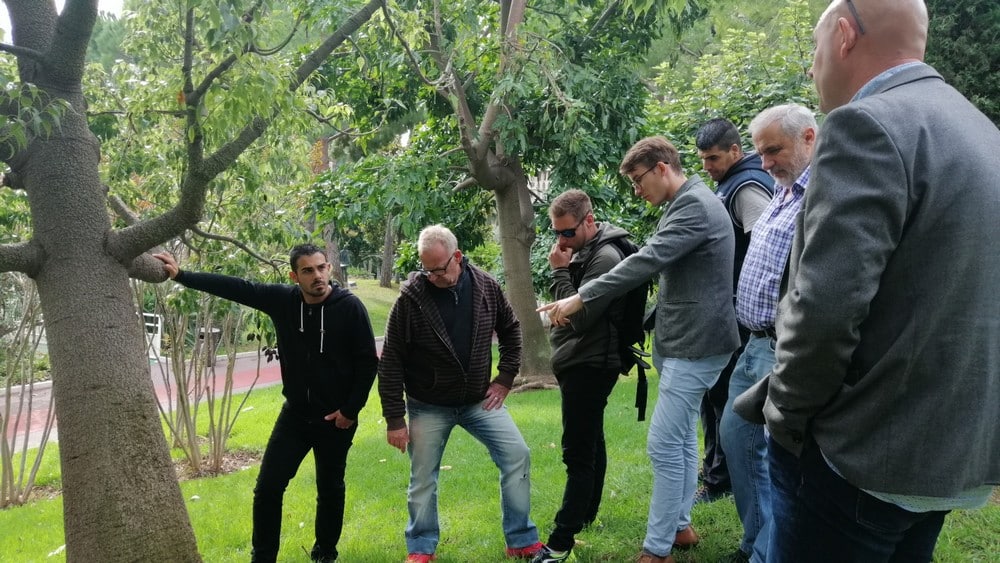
(647, 557)
(686, 538)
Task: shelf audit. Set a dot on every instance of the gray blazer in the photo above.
(692, 250)
(889, 336)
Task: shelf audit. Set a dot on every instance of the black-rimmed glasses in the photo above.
(637, 181)
(854, 14)
(436, 271)
(570, 233)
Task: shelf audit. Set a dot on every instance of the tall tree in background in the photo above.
(529, 88)
(964, 46)
(120, 495)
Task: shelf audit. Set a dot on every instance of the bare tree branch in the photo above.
(133, 240)
(23, 52)
(70, 40)
(23, 257)
(465, 184)
(414, 62)
(32, 25)
(222, 238)
(147, 268)
(121, 209)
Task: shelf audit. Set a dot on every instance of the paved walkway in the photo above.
(30, 410)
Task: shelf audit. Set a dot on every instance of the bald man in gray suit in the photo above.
(884, 401)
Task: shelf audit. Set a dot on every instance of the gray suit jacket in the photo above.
(692, 250)
(889, 336)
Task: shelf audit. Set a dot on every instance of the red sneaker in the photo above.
(527, 552)
(420, 558)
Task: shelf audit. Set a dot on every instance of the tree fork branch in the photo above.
(25, 257)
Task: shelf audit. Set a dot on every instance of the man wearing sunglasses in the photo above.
(435, 368)
(695, 335)
(585, 361)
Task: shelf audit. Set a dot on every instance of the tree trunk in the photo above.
(121, 500)
(517, 234)
(333, 253)
(388, 252)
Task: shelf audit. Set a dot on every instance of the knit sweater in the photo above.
(418, 356)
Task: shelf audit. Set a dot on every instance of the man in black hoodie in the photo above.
(328, 364)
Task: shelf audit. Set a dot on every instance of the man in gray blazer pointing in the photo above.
(692, 252)
(884, 401)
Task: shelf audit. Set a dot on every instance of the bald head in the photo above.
(858, 39)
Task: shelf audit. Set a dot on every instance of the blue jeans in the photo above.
(290, 441)
(820, 517)
(746, 451)
(672, 445)
(430, 426)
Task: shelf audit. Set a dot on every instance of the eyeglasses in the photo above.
(637, 182)
(436, 271)
(854, 14)
(570, 233)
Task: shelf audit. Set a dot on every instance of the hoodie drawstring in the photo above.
(322, 323)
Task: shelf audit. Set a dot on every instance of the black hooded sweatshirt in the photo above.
(326, 351)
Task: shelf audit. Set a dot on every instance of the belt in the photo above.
(765, 333)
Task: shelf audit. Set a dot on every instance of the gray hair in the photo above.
(792, 118)
(437, 234)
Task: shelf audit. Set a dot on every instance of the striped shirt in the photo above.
(764, 266)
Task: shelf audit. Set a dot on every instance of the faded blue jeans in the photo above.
(672, 445)
(746, 451)
(430, 427)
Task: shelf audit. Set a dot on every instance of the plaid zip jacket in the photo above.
(418, 357)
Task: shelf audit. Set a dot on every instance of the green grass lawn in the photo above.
(469, 501)
(378, 301)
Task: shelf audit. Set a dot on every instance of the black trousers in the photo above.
(584, 396)
(290, 441)
(714, 472)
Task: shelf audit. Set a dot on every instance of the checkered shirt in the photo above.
(764, 265)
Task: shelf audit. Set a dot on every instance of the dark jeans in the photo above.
(584, 396)
(714, 472)
(290, 441)
(819, 517)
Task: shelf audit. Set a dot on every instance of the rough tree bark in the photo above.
(121, 500)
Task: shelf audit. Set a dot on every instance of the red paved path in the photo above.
(29, 410)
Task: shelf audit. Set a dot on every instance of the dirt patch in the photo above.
(231, 462)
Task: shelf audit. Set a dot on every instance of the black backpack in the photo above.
(632, 329)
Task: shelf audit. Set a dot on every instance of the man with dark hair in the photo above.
(585, 362)
(883, 405)
(745, 189)
(785, 136)
(328, 364)
(695, 334)
(435, 369)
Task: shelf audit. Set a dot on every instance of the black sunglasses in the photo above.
(570, 233)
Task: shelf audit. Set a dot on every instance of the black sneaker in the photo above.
(547, 555)
(705, 494)
(737, 556)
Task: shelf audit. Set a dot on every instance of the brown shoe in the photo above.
(647, 557)
(686, 538)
